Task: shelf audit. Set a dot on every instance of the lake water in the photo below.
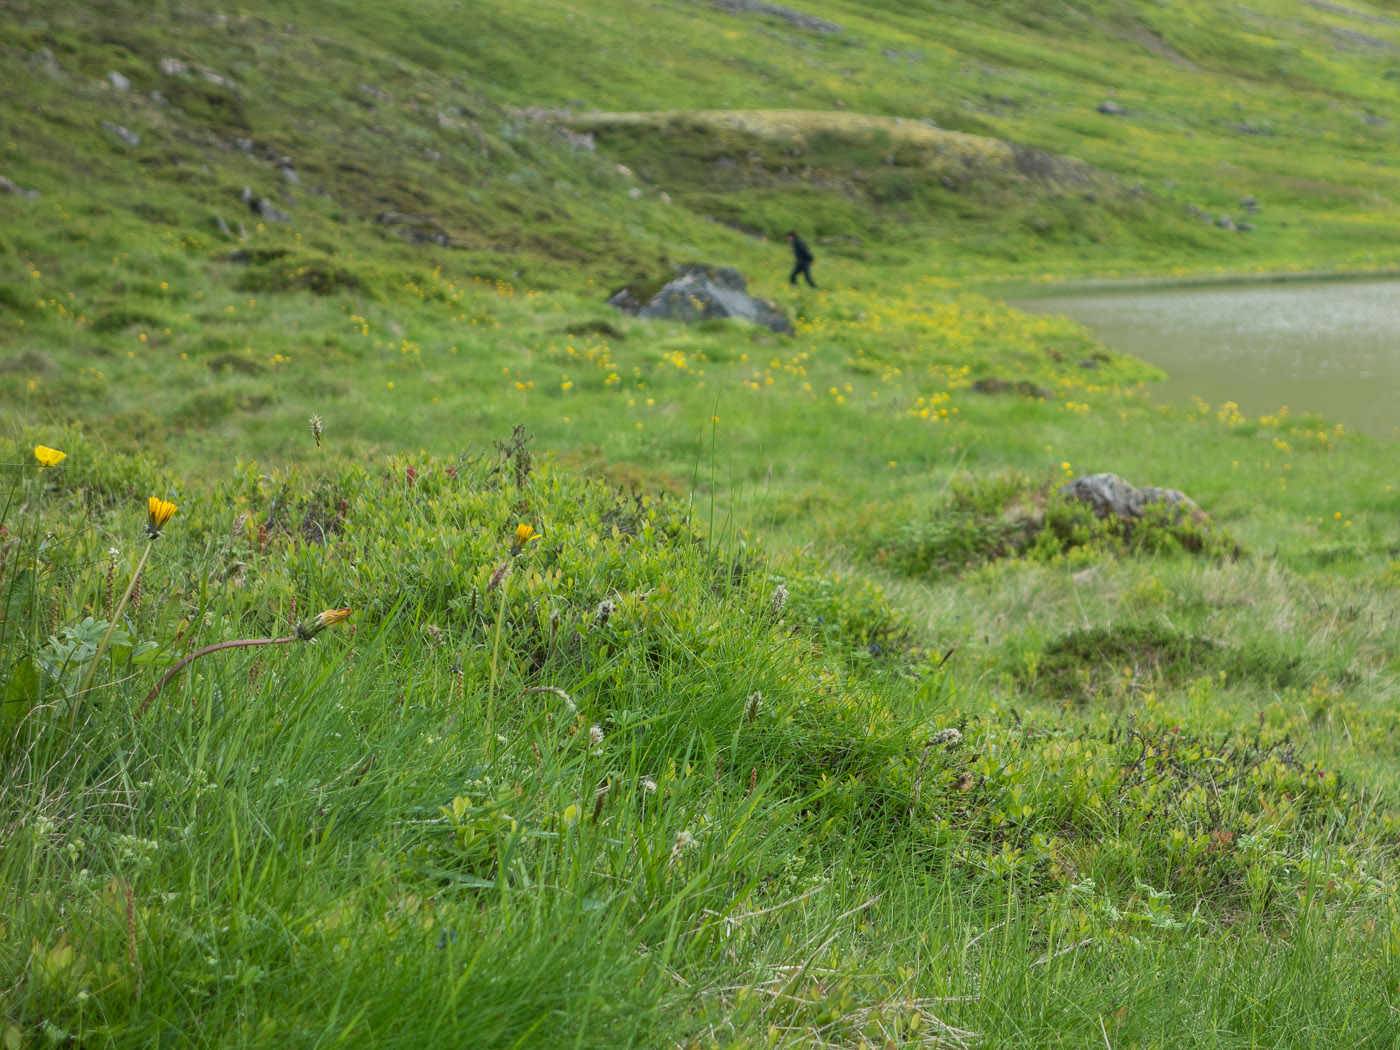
(1331, 347)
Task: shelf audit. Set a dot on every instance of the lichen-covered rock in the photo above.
(1110, 494)
(701, 292)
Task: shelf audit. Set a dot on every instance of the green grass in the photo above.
(991, 773)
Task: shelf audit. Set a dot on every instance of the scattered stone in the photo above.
(787, 14)
(624, 171)
(265, 209)
(290, 174)
(214, 78)
(17, 190)
(1225, 222)
(1024, 387)
(246, 196)
(701, 292)
(422, 229)
(1112, 109)
(578, 139)
(634, 193)
(665, 197)
(1109, 494)
(1089, 363)
(129, 138)
(159, 99)
(243, 145)
(173, 67)
(43, 58)
(118, 81)
(1249, 202)
(222, 226)
(1244, 227)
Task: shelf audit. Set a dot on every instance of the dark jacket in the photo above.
(800, 251)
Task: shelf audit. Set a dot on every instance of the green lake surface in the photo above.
(1331, 347)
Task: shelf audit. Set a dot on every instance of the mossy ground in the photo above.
(990, 766)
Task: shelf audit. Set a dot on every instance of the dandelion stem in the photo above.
(191, 657)
(111, 626)
(491, 689)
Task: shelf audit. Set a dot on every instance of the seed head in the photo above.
(603, 613)
(779, 602)
(316, 429)
(752, 705)
(498, 576)
(949, 737)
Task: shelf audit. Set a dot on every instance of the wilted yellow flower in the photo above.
(48, 457)
(158, 512)
(322, 620)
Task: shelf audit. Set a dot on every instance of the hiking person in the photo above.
(802, 259)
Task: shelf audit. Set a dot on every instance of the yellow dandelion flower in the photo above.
(48, 457)
(322, 620)
(523, 534)
(158, 512)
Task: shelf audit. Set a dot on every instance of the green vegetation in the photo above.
(704, 687)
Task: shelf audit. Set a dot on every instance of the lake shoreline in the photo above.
(1022, 290)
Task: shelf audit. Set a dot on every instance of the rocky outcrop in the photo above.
(1110, 494)
(700, 292)
(1024, 387)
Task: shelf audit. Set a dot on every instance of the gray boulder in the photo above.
(701, 292)
(1109, 494)
(1112, 109)
(118, 81)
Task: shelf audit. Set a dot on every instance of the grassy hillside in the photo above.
(703, 687)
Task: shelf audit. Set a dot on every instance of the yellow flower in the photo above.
(48, 457)
(158, 512)
(322, 620)
(523, 534)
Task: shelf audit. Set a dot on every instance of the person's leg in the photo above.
(792, 277)
(807, 272)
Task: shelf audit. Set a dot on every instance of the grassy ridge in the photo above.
(814, 716)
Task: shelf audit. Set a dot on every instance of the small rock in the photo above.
(1245, 227)
(1225, 222)
(665, 197)
(246, 196)
(624, 170)
(173, 67)
(290, 174)
(17, 190)
(1089, 363)
(214, 78)
(265, 209)
(1024, 387)
(159, 99)
(634, 193)
(130, 138)
(43, 58)
(1248, 202)
(1111, 108)
(222, 226)
(243, 145)
(118, 81)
